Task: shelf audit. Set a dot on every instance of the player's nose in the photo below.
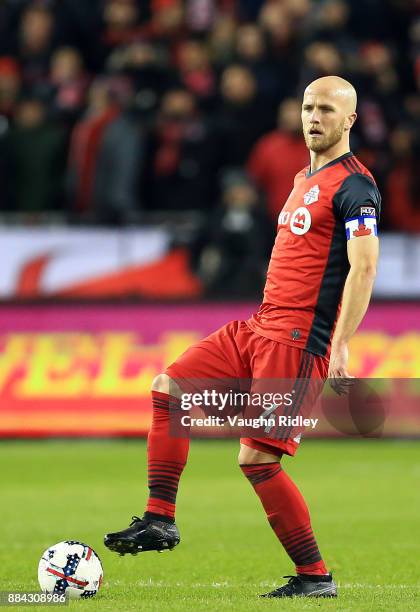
(314, 118)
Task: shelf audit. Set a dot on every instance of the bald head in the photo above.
(334, 86)
(328, 113)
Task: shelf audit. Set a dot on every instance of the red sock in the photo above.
(287, 514)
(166, 455)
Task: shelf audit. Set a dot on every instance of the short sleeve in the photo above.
(358, 196)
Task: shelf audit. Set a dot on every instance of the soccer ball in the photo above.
(70, 568)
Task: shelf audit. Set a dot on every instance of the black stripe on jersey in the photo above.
(348, 167)
(357, 165)
(353, 164)
(329, 295)
(300, 396)
(281, 433)
(299, 380)
(300, 388)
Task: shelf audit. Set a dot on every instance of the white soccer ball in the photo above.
(70, 568)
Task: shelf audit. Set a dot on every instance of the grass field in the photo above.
(364, 497)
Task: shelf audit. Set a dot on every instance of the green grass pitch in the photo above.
(364, 498)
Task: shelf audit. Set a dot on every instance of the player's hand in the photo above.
(339, 377)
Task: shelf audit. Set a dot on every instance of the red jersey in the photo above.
(309, 263)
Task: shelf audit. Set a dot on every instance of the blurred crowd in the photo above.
(113, 111)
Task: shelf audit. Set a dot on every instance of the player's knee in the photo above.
(165, 384)
(249, 455)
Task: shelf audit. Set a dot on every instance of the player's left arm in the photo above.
(358, 204)
(363, 257)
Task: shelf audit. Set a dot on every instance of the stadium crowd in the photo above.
(112, 111)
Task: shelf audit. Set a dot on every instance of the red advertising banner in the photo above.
(87, 370)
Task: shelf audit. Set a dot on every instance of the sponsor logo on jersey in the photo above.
(368, 210)
(311, 196)
(361, 226)
(300, 221)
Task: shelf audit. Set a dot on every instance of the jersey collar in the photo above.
(331, 163)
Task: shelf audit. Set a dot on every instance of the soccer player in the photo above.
(319, 284)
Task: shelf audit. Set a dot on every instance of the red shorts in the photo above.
(236, 352)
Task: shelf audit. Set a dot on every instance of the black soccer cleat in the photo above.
(306, 585)
(142, 535)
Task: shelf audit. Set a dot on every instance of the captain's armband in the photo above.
(363, 225)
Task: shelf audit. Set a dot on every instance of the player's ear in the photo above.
(349, 122)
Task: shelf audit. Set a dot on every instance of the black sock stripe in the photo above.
(308, 559)
(307, 548)
(257, 468)
(258, 477)
(164, 480)
(291, 540)
(307, 544)
(304, 540)
(262, 477)
(159, 491)
(156, 483)
(161, 495)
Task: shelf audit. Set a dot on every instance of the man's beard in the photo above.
(320, 145)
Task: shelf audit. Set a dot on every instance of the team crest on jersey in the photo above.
(300, 221)
(311, 196)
